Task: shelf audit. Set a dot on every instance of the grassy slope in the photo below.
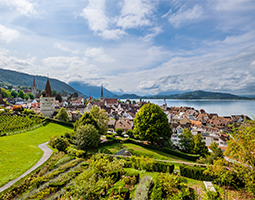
(20, 152)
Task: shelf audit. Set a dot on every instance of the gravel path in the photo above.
(46, 154)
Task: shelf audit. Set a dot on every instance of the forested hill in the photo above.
(199, 94)
(22, 79)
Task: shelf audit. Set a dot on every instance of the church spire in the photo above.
(34, 82)
(89, 96)
(102, 92)
(47, 91)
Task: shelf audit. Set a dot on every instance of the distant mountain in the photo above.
(94, 90)
(199, 94)
(22, 79)
(129, 96)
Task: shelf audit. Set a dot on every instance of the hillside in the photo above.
(22, 79)
(199, 94)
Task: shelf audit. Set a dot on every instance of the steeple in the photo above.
(164, 105)
(47, 91)
(89, 96)
(102, 92)
(34, 83)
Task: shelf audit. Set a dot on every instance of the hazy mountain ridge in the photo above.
(23, 79)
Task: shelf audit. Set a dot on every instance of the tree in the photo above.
(86, 118)
(130, 133)
(21, 94)
(17, 108)
(119, 131)
(54, 92)
(199, 146)
(86, 137)
(60, 143)
(31, 96)
(14, 93)
(102, 119)
(5, 93)
(241, 154)
(59, 98)
(213, 156)
(186, 141)
(62, 115)
(151, 123)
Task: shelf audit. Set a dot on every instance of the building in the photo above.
(47, 101)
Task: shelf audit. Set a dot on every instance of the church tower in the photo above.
(102, 93)
(34, 90)
(164, 107)
(47, 101)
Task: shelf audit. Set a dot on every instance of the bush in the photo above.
(195, 172)
(109, 137)
(119, 131)
(60, 143)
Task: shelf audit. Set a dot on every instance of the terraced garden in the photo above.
(20, 152)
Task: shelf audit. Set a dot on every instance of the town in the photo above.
(212, 127)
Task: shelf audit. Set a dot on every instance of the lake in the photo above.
(221, 107)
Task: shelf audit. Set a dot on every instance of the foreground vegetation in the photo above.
(9, 123)
(20, 152)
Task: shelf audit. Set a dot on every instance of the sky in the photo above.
(133, 46)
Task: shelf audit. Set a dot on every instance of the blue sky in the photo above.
(134, 46)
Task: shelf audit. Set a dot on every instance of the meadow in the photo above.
(20, 152)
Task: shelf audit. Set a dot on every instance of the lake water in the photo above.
(221, 107)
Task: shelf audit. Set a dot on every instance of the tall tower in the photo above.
(34, 91)
(47, 101)
(102, 93)
(164, 107)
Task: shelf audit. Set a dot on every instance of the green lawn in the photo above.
(20, 152)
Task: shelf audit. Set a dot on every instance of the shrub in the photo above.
(195, 172)
(60, 143)
(119, 131)
(108, 137)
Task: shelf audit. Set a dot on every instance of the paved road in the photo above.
(46, 154)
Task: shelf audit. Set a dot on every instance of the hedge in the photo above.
(165, 150)
(195, 172)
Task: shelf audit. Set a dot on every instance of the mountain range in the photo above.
(23, 79)
(83, 89)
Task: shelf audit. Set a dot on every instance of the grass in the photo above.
(20, 152)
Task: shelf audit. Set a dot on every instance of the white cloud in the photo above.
(136, 13)
(98, 21)
(186, 16)
(63, 48)
(155, 31)
(7, 34)
(253, 63)
(233, 5)
(98, 55)
(148, 85)
(112, 34)
(94, 13)
(24, 7)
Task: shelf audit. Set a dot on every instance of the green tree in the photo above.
(54, 92)
(102, 119)
(130, 133)
(86, 118)
(241, 151)
(5, 93)
(31, 96)
(60, 143)
(119, 131)
(21, 94)
(62, 115)
(14, 93)
(186, 143)
(59, 98)
(86, 137)
(151, 123)
(199, 146)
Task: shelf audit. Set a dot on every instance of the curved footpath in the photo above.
(46, 154)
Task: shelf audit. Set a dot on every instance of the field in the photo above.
(20, 152)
